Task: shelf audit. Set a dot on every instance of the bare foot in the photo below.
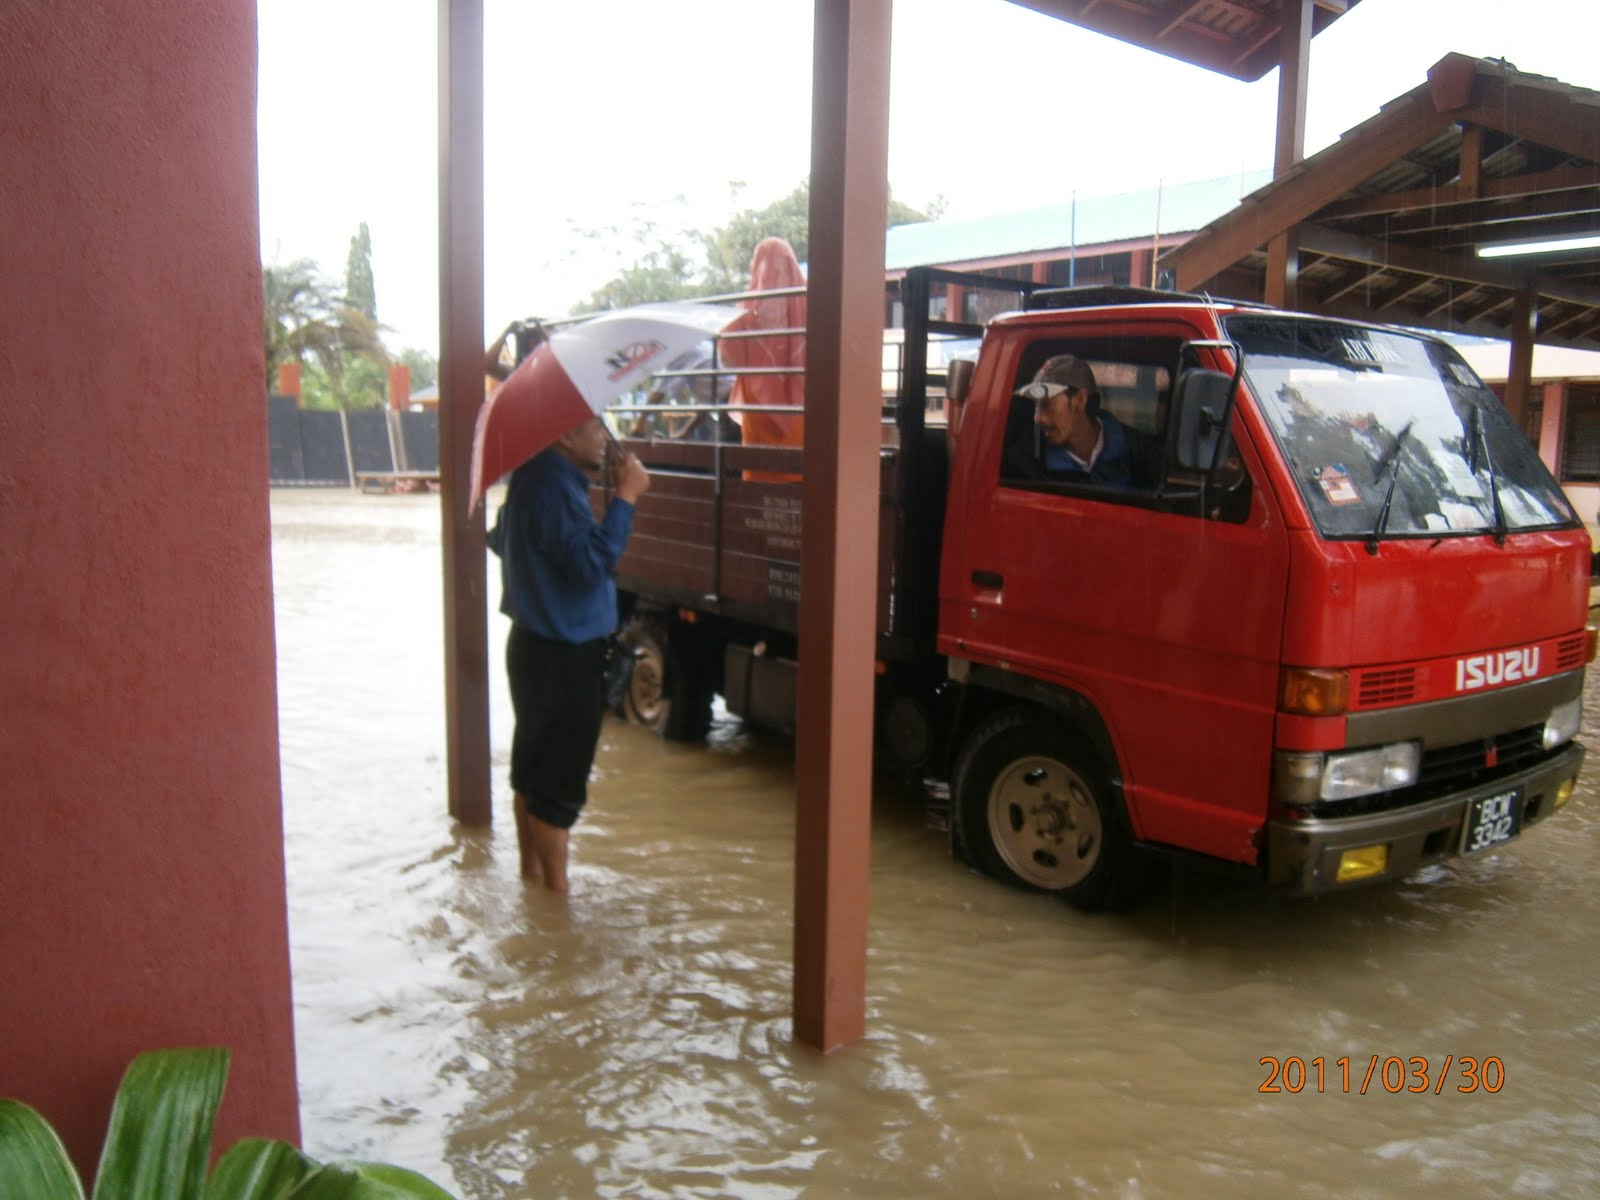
(550, 844)
(527, 848)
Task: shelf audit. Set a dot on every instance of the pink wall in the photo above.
(141, 846)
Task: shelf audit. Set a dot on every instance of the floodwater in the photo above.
(634, 1040)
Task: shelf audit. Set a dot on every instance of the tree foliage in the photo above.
(424, 367)
(711, 262)
(301, 314)
(360, 291)
(334, 334)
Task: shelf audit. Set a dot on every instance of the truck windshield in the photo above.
(1389, 434)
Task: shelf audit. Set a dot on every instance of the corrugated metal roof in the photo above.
(1121, 217)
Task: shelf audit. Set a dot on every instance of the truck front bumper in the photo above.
(1303, 856)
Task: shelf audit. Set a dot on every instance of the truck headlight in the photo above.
(1362, 772)
(1562, 724)
(1300, 779)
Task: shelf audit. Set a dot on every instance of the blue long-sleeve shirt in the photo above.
(556, 560)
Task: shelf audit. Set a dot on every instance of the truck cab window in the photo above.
(1090, 416)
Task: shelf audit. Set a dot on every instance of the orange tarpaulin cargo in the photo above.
(772, 266)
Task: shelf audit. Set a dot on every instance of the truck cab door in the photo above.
(1163, 612)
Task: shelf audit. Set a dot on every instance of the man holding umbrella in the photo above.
(556, 560)
(556, 565)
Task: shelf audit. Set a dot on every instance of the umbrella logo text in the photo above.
(632, 356)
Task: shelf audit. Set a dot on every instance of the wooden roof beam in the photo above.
(1509, 187)
(1493, 305)
(1469, 162)
(1451, 299)
(1358, 280)
(1484, 212)
(1405, 124)
(1201, 47)
(1535, 115)
(1352, 248)
(1404, 293)
(1578, 316)
(1187, 13)
(1265, 54)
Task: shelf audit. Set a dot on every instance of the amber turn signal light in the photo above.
(1309, 692)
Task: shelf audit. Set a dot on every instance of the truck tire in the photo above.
(665, 692)
(1032, 806)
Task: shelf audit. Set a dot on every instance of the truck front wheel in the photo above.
(665, 691)
(1034, 808)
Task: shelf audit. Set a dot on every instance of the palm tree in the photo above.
(308, 320)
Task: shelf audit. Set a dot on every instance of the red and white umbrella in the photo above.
(575, 373)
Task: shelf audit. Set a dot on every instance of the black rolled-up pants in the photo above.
(558, 696)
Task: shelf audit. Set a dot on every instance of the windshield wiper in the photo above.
(1481, 445)
(1391, 458)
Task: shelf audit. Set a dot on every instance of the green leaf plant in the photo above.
(159, 1143)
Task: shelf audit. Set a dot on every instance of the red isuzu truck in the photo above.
(1338, 632)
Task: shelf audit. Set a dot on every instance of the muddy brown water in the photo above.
(634, 1041)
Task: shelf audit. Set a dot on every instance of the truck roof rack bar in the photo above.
(1096, 295)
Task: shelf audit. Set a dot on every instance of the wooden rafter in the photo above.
(1342, 166)
(1403, 293)
(1437, 218)
(1512, 187)
(1358, 280)
(1577, 316)
(1488, 273)
(1452, 298)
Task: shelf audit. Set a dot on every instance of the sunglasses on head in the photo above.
(1039, 391)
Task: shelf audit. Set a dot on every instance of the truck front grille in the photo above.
(1446, 769)
(1450, 768)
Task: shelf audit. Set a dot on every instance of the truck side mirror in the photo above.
(1202, 407)
(957, 385)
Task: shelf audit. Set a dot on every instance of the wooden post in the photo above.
(466, 665)
(839, 556)
(1524, 321)
(1281, 285)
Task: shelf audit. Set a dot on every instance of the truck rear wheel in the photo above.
(1033, 807)
(665, 692)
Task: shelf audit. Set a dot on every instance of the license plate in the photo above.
(1491, 821)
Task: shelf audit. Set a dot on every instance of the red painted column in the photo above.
(838, 561)
(141, 851)
(289, 381)
(466, 622)
(399, 387)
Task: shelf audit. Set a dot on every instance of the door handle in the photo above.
(991, 580)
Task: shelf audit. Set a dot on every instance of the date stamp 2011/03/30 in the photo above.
(1391, 1074)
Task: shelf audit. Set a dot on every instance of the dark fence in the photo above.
(321, 447)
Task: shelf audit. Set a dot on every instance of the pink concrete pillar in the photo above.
(1553, 424)
(141, 856)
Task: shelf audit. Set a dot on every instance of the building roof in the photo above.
(1390, 218)
(1240, 38)
(1099, 220)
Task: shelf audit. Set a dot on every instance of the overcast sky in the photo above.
(608, 113)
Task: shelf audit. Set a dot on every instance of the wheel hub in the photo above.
(1045, 823)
